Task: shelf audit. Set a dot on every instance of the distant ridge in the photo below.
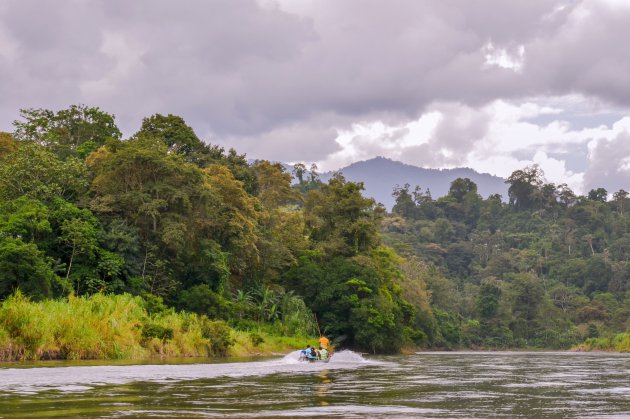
(380, 175)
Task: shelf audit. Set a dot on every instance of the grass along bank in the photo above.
(616, 343)
(120, 327)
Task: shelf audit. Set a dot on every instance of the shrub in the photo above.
(152, 330)
(255, 338)
(201, 299)
(219, 335)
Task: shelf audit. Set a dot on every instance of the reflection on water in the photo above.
(465, 384)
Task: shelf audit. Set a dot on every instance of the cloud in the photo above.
(310, 141)
(246, 67)
(610, 160)
(488, 84)
(497, 138)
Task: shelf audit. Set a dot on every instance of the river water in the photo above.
(430, 385)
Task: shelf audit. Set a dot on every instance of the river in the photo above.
(430, 385)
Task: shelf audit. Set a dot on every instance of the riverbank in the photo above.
(121, 327)
(111, 327)
(617, 343)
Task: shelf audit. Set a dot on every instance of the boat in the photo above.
(305, 358)
(306, 355)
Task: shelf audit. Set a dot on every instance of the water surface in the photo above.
(431, 385)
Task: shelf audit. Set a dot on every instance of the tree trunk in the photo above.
(71, 259)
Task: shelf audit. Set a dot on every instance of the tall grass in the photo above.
(617, 343)
(103, 327)
(259, 342)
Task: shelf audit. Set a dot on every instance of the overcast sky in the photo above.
(494, 85)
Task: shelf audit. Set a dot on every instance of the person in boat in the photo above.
(323, 353)
(324, 342)
(305, 353)
(314, 354)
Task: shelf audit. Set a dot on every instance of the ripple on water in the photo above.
(424, 385)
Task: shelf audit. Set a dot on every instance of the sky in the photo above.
(493, 85)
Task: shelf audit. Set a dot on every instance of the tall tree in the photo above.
(7, 143)
(525, 186)
(173, 131)
(75, 131)
(340, 220)
(24, 267)
(35, 172)
(274, 185)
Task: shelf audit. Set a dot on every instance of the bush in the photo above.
(256, 339)
(24, 267)
(154, 304)
(150, 331)
(219, 335)
(202, 300)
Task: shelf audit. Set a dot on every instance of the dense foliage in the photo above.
(183, 224)
(547, 269)
(179, 223)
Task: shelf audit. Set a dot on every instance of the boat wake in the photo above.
(81, 378)
(338, 358)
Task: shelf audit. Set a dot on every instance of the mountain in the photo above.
(380, 175)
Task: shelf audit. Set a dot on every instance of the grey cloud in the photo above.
(454, 137)
(255, 75)
(607, 167)
(587, 55)
(576, 159)
(306, 141)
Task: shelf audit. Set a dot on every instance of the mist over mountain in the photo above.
(380, 175)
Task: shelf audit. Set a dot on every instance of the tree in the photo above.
(620, 197)
(80, 236)
(357, 298)
(598, 273)
(7, 144)
(458, 258)
(24, 267)
(299, 169)
(599, 194)
(201, 299)
(525, 187)
(527, 297)
(235, 222)
(24, 218)
(340, 220)
(488, 299)
(405, 205)
(490, 213)
(565, 195)
(274, 185)
(283, 238)
(461, 187)
(75, 131)
(183, 216)
(174, 132)
(307, 179)
(38, 173)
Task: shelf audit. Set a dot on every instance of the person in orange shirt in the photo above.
(324, 342)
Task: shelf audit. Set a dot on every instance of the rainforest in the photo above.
(161, 244)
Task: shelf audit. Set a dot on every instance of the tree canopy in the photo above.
(178, 221)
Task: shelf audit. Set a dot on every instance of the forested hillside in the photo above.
(547, 269)
(183, 224)
(380, 175)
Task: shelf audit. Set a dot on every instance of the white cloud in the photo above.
(493, 85)
(513, 59)
(370, 139)
(498, 138)
(616, 4)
